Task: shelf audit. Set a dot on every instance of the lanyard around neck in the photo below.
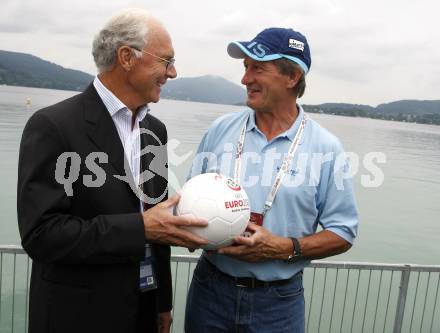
(284, 167)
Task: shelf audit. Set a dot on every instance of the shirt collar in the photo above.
(289, 133)
(113, 103)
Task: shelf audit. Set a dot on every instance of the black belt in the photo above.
(249, 282)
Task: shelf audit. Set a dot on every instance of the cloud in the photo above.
(364, 52)
(18, 17)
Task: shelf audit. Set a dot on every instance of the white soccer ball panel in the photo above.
(239, 225)
(217, 246)
(218, 233)
(204, 208)
(219, 230)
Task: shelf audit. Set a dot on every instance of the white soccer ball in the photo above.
(219, 200)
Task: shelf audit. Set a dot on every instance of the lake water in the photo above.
(399, 220)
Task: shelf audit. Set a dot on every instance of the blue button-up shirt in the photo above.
(316, 189)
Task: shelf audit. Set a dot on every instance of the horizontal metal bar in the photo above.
(374, 266)
(184, 258)
(12, 249)
(314, 264)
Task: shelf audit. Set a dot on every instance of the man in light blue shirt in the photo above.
(294, 172)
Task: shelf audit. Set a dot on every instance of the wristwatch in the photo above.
(296, 255)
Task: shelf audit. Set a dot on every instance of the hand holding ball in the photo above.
(219, 200)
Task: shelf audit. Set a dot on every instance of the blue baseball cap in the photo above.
(275, 43)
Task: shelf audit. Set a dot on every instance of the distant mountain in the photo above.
(329, 107)
(427, 112)
(410, 107)
(208, 89)
(21, 69)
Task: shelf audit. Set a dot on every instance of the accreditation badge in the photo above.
(255, 218)
(147, 279)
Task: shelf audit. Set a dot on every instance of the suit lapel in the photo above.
(146, 159)
(102, 130)
(153, 163)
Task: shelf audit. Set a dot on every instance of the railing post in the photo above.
(401, 300)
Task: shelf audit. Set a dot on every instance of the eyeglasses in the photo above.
(169, 62)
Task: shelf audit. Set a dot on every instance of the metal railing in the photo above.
(340, 296)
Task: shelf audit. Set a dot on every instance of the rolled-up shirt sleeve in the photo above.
(336, 200)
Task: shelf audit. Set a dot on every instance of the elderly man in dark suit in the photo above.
(99, 242)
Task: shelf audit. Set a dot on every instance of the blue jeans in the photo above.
(215, 304)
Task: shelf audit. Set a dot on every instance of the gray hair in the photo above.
(128, 27)
(288, 67)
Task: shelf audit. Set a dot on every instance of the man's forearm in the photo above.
(323, 244)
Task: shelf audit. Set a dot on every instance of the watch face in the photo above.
(294, 258)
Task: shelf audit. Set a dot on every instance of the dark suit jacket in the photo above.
(86, 248)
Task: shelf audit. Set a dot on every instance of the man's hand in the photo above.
(164, 321)
(161, 226)
(261, 246)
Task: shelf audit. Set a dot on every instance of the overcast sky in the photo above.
(366, 52)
